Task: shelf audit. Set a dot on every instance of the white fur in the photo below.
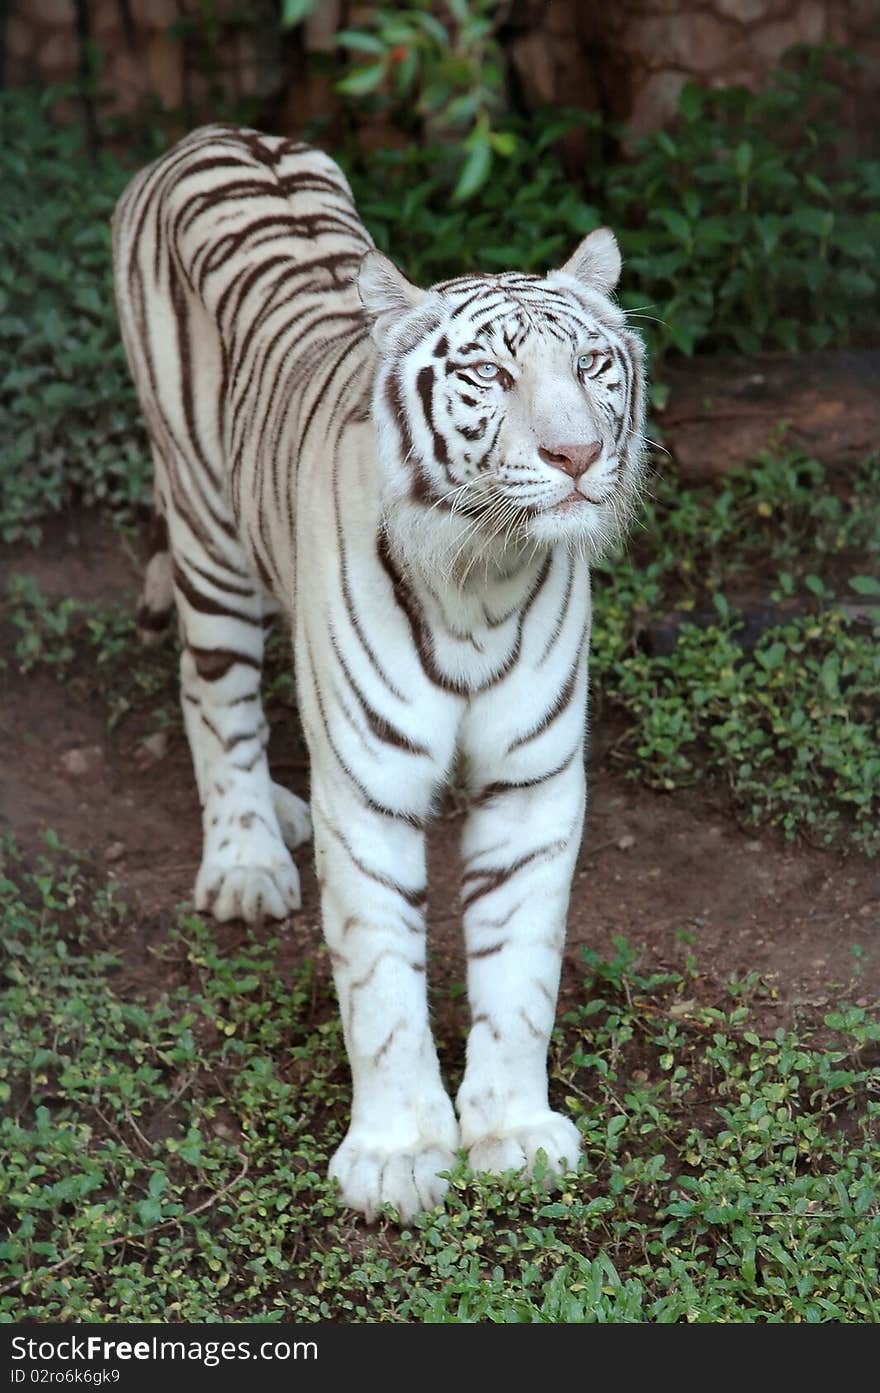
(433, 560)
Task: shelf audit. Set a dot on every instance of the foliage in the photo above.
(295, 11)
(164, 1148)
(747, 227)
(753, 225)
(528, 216)
(94, 650)
(447, 78)
(792, 727)
(68, 416)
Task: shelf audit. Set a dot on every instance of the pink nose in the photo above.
(573, 459)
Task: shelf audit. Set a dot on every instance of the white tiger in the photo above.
(418, 479)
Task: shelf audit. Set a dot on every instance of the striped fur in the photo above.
(418, 479)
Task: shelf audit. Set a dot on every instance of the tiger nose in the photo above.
(572, 459)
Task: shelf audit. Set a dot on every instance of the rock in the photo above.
(864, 613)
(626, 842)
(743, 10)
(655, 102)
(659, 638)
(115, 852)
(156, 746)
(81, 762)
(723, 415)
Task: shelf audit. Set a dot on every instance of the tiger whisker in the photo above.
(657, 446)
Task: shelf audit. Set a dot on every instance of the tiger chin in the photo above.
(418, 480)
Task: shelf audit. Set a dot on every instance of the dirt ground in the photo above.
(672, 873)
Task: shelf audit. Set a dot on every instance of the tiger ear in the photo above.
(596, 262)
(385, 292)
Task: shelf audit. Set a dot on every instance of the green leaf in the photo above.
(772, 657)
(399, 31)
(158, 1182)
(677, 224)
(460, 109)
(691, 101)
(816, 222)
(503, 142)
(475, 170)
(865, 585)
(743, 159)
(149, 1212)
(360, 41)
(362, 80)
(295, 11)
(817, 187)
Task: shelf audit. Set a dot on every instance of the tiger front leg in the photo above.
(519, 849)
(403, 1130)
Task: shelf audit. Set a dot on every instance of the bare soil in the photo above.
(673, 874)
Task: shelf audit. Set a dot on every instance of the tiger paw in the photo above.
(371, 1175)
(293, 816)
(248, 892)
(516, 1148)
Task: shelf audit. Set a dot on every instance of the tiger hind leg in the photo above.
(294, 820)
(248, 821)
(156, 605)
(292, 812)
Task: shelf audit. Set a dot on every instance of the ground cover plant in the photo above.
(786, 717)
(164, 1151)
(68, 415)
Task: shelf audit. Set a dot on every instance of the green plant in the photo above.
(94, 650)
(529, 215)
(774, 248)
(68, 416)
(167, 1120)
(790, 728)
(753, 223)
(446, 77)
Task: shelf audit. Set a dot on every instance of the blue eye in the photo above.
(586, 361)
(488, 371)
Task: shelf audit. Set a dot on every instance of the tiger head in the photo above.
(509, 408)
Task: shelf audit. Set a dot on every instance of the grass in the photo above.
(164, 1143)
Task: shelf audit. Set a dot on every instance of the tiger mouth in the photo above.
(573, 500)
